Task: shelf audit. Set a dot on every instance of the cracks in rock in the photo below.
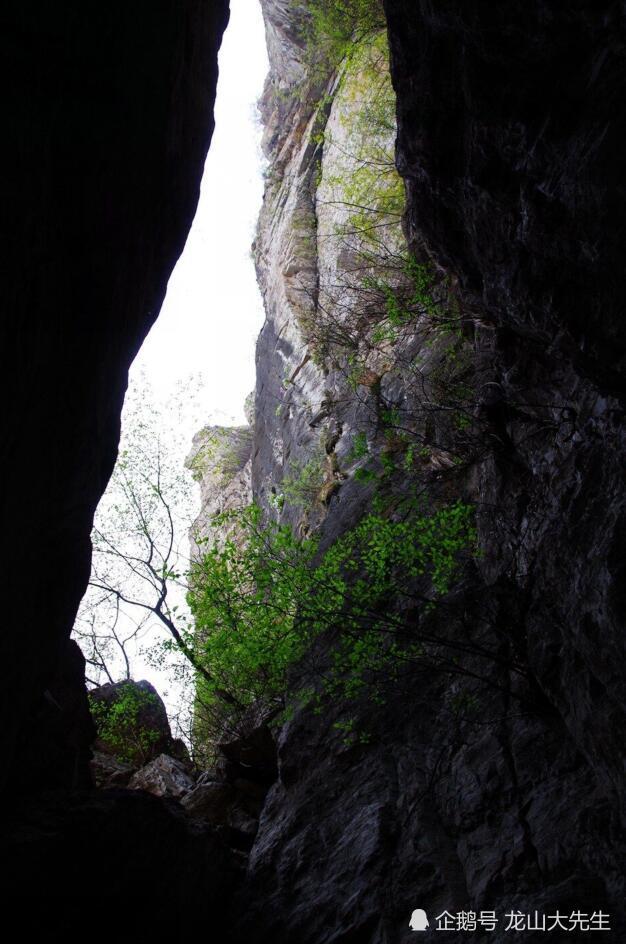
(530, 852)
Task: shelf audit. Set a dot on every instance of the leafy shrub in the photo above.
(244, 599)
(302, 486)
(334, 26)
(260, 603)
(120, 727)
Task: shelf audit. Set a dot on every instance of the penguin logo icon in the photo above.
(419, 921)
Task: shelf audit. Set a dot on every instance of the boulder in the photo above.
(151, 721)
(210, 801)
(164, 776)
(222, 806)
(108, 771)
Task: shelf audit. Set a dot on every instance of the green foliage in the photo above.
(120, 727)
(360, 449)
(422, 283)
(244, 599)
(302, 486)
(335, 26)
(361, 175)
(388, 463)
(404, 299)
(384, 559)
(381, 550)
(221, 451)
(365, 475)
(262, 598)
(370, 315)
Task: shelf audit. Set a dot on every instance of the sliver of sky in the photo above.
(213, 311)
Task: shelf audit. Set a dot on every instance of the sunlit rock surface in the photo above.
(306, 414)
(220, 461)
(163, 777)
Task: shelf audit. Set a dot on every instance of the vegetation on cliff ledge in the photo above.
(335, 27)
(261, 599)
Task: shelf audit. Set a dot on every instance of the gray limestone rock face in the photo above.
(310, 264)
(551, 489)
(231, 795)
(211, 801)
(220, 461)
(163, 777)
(508, 142)
(108, 771)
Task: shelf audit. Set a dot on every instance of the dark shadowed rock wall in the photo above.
(510, 140)
(114, 865)
(107, 118)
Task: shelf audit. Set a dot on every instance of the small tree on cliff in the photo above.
(138, 582)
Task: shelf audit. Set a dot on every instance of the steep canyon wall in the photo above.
(508, 143)
(491, 780)
(108, 115)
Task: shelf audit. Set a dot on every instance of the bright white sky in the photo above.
(213, 312)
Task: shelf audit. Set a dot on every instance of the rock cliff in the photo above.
(508, 800)
(488, 781)
(220, 461)
(108, 114)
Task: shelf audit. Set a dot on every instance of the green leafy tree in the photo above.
(303, 484)
(262, 598)
(244, 596)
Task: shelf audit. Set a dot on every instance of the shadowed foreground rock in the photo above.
(108, 114)
(512, 157)
(107, 118)
(114, 865)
